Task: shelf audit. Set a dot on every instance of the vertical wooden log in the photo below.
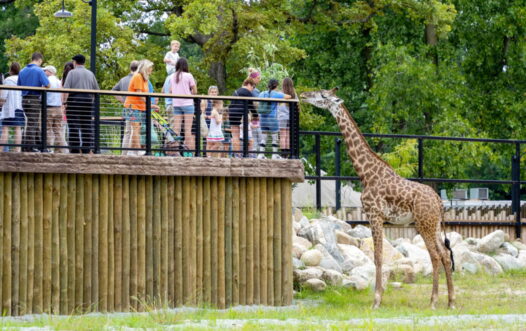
(39, 247)
(156, 238)
(79, 244)
(228, 240)
(252, 235)
(221, 242)
(55, 245)
(179, 291)
(95, 288)
(88, 243)
(71, 217)
(30, 241)
(164, 241)
(199, 241)
(213, 242)
(171, 240)
(2, 184)
(111, 246)
(117, 230)
(263, 244)
(149, 239)
(193, 243)
(243, 241)
(15, 249)
(22, 273)
(7, 241)
(207, 248)
(134, 241)
(276, 242)
(103, 242)
(187, 238)
(269, 239)
(235, 242)
(141, 237)
(126, 247)
(63, 244)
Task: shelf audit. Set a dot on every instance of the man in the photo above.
(32, 75)
(54, 112)
(79, 106)
(122, 85)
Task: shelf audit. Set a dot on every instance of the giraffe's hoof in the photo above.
(452, 306)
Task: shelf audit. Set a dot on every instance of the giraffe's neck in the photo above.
(364, 160)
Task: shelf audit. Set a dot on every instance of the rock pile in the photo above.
(329, 251)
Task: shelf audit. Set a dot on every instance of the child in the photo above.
(242, 138)
(172, 56)
(215, 138)
(256, 133)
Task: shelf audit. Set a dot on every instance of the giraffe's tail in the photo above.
(447, 243)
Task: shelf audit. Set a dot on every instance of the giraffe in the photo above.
(387, 197)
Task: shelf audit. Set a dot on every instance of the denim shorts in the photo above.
(268, 123)
(180, 110)
(18, 120)
(134, 115)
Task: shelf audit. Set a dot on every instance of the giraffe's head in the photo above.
(326, 99)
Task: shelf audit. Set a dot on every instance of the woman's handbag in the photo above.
(204, 126)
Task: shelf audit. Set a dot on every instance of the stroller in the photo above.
(173, 144)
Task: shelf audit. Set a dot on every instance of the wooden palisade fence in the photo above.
(117, 241)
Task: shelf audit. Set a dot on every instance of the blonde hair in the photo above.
(144, 65)
(173, 42)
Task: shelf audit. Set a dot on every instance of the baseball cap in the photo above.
(51, 69)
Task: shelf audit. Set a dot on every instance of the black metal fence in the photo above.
(515, 173)
(105, 119)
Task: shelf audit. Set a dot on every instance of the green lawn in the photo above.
(335, 309)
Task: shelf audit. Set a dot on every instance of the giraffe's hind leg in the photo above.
(432, 248)
(377, 231)
(446, 262)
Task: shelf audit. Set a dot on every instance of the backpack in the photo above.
(265, 107)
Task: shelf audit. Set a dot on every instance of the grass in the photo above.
(333, 310)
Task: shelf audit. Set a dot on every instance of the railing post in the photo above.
(148, 125)
(317, 148)
(43, 121)
(515, 189)
(292, 130)
(197, 105)
(245, 128)
(338, 143)
(420, 158)
(96, 111)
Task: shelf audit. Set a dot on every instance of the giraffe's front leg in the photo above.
(377, 230)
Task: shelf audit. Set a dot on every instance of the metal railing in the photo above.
(105, 118)
(515, 172)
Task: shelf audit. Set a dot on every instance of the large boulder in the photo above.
(298, 250)
(327, 260)
(518, 244)
(419, 241)
(508, 248)
(304, 222)
(297, 214)
(455, 238)
(332, 277)
(360, 232)
(316, 285)
(322, 232)
(491, 242)
(522, 258)
(312, 257)
(353, 257)
(302, 276)
(422, 261)
(488, 264)
(404, 272)
(301, 241)
(362, 276)
(465, 259)
(508, 262)
(389, 253)
(344, 238)
(297, 264)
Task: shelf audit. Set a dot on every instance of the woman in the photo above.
(269, 119)
(256, 77)
(12, 114)
(206, 108)
(135, 105)
(236, 111)
(284, 115)
(183, 83)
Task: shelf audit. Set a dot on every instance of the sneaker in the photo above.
(261, 156)
(276, 157)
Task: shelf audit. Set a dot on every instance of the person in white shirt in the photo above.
(12, 114)
(172, 57)
(55, 113)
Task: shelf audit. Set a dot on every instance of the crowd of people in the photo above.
(69, 118)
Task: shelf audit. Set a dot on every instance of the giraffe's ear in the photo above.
(335, 89)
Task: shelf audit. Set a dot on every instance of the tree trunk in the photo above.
(218, 72)
(367, 52)
(432, 40)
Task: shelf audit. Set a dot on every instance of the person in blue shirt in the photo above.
(32, 75)
(269, 121)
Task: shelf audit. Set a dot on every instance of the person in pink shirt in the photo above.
(183, 83)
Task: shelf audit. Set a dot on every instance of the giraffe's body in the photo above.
(387, 197)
